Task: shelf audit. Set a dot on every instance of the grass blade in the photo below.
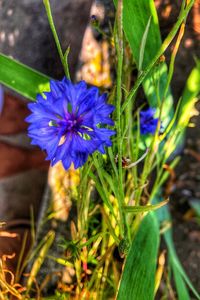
(138, 278)
(164, 216)
(49, 238)
(191, 91)
(22, 79)
(136, 21)
(140, 209)
(143, 44)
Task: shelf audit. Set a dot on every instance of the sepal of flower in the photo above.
(148, 123)
(70, 122)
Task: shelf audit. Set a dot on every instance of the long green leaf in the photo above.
(22, 79)
(48, 240)
(140, 209)
(138, 278)
(185, 110)
(164, 216)
(180, 285)
(143, 44)
(136, 15)
(176, 264)
(191, 91)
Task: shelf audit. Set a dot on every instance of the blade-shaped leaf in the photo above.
(138, 278)
(143, 44)
(181, 288)
(22, 79)
(140, 209)
(48, 240)
(136, 15)
(191, 91)
(164, 216)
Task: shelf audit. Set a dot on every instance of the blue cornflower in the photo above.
(69, 122)
(148, 123)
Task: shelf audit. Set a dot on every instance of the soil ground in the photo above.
(186, 186)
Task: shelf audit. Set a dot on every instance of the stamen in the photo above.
(62, 140)
(52, 123)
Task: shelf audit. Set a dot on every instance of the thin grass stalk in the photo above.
(19, 269)
(182, 16)
(119, 50)
(83, 199)
(149, 160)
(104, 276)
(63, 58)
(40, 259)
(103, 183)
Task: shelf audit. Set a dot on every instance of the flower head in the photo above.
(148, 123)
(69, 122)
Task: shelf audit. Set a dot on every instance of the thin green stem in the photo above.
(167, 41)
(119, 49)
(173, 57)
(112, 160)
(149, 160)
(53, 29)
(101, 187)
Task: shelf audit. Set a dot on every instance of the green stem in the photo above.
(173, 57)
(101, 187)
(150, 157)
(119, 49)
(167, 41)
(112, 160)
(53, 29)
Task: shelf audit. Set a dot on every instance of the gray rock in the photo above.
(25, 33)
(19, 192)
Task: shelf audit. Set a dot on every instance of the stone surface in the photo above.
(19, 192)
(25, 33)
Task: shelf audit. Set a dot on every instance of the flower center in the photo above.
(72, 124)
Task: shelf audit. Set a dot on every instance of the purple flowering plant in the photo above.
(69, 122)
(113, 240)
(75, 124)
